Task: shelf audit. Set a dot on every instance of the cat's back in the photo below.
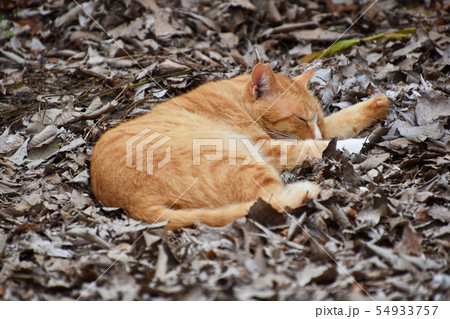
(205, 111)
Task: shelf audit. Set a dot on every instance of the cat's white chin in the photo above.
(352, 145)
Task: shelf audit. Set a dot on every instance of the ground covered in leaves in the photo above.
(380, 228)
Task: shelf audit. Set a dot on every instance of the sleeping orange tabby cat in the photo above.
(209, 154)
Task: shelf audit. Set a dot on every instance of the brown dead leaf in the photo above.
(410, 243)
(440, 213)
(168, 66)
(373, 161)
(163, 29)
(316, 273)
(245, 4)
(432, 105)
(273, 15)
(149, 5)
(265, 214)
(45, 137)
(397, 262)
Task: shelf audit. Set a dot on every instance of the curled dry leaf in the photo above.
(45, 137)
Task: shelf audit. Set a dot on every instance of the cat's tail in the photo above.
(179, 218)
(292, 195)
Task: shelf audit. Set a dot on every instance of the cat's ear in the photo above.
(303, 79)
(263, 81)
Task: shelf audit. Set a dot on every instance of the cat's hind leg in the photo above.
(293, 195)
(179, 218)
(256, 181)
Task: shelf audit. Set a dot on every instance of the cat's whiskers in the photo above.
(280, 134)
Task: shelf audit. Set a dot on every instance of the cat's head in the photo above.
(283, 106)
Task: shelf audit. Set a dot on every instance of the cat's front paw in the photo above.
(378, 107)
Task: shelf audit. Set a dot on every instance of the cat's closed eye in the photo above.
(301, 119)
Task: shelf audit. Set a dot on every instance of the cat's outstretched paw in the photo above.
(378, 107)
